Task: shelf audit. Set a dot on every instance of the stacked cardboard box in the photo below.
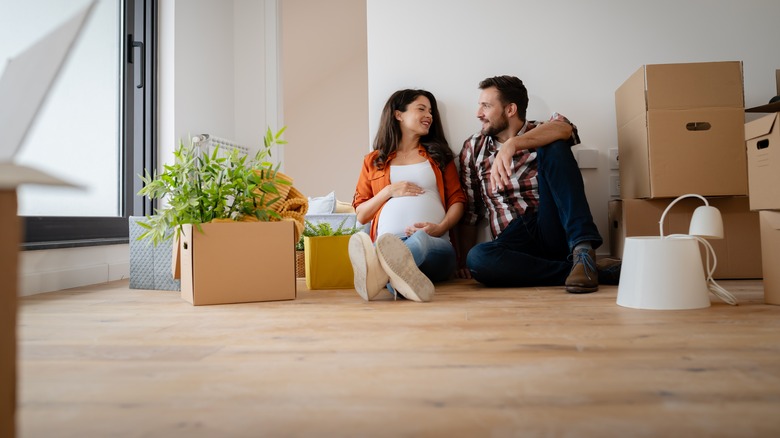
(762, 141)
(681, 131)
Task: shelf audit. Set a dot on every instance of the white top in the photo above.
(401, 212)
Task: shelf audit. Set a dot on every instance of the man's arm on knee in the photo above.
(558, 128)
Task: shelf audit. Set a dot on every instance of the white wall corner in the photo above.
(273, 85)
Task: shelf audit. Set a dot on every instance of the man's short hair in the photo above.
(510, 90)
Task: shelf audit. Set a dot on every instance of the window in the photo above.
(97, 126)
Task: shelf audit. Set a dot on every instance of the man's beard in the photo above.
(494, 128)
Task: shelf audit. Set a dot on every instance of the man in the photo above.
(524, 176)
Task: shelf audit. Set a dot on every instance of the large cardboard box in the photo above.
(238, 262)
(770, 255)
(763, 152)
(681, 130)
(738, 254)
(10, 235)
(327, 262)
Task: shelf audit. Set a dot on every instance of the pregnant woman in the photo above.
(410, 192)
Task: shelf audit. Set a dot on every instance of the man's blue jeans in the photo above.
(433, 255)
(535, 249)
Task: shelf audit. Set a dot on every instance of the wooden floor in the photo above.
(109, 361)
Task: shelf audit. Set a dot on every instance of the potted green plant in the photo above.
(324, 250)
(222, 210)
(325, 229)
(200, 188)
(314, 230)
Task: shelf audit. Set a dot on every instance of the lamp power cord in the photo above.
(718, 290)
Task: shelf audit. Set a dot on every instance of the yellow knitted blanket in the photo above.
(292, 208)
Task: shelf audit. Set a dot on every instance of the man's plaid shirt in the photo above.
(517, 198)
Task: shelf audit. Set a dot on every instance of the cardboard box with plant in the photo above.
(235, 243)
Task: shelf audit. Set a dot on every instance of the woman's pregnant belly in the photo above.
(399, 213)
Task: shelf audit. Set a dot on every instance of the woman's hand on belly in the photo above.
(404, 188)
(435, 230)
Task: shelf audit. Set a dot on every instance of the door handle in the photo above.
(131, 49)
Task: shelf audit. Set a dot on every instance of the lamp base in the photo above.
(662, 274)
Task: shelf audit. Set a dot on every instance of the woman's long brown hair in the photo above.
(389, 133)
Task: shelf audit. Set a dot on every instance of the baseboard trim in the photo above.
(58, 269)
(31, 284)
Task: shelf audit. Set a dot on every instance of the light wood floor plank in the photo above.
(108, 361)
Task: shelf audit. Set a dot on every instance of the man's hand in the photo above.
(557, 128)
(501, 170)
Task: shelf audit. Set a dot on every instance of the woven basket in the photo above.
(300, 264)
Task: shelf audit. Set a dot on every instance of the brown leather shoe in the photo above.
(583, 277)
(609, 270)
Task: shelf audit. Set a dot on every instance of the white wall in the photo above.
(249, 85)
(571, 54)
(213, 62)
(203, 76)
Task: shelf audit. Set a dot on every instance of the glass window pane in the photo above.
(76, 135)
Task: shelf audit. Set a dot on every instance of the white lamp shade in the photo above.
(707, 223)
(662, 274)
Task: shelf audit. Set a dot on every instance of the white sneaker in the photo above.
(370, 278)
(398, 262)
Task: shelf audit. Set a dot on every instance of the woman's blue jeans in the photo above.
(534, 249)
(434, 256)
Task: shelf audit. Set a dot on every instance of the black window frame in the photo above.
(138, 143)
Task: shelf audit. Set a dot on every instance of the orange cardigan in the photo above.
(372, 180)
